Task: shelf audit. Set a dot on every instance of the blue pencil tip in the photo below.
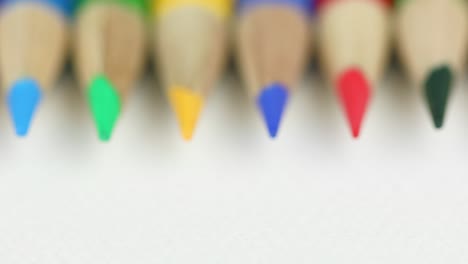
(272, 101)
(23, 99)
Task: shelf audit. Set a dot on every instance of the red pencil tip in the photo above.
(354, 93)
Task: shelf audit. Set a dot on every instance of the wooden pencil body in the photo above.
(33, 43)
(432, 33)
(272, 46)
(110, 40)
(191, 47)
(354, 34)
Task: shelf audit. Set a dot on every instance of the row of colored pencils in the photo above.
(191, 38)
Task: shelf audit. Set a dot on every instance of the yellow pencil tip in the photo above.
(187, 105)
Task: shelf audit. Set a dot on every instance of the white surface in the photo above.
(398, 195)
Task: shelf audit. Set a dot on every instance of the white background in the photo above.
(314, 195)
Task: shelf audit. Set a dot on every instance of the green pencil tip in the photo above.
(104, 102)
(437, 90)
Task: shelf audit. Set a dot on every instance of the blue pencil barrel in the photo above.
(63, 6)
(306, 6)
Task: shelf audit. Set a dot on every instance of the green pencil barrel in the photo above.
(139, 5)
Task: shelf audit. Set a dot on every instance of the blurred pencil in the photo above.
(272, 44)
(432, 42)
(33, 44)
(354, 42)
(191, 39)
(110, 39)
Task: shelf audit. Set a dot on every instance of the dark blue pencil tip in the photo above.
(272, 101)
(23, 99)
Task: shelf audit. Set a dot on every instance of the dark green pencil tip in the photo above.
(437, 91)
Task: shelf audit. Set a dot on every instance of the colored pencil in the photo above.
(432, 43)
(191, 44)
(354, 42)
(33, 45)
(272, 46)
(110, 38)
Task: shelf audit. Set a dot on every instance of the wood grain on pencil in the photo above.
(110, 52)
(33, 44)
(354, 42)
(432, 40)
(272, 48)
(191, 45)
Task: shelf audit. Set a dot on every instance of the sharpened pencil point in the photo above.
(272, 101)
(437, 90)
(187, 105)
(104, 102)
(354, 92)
(23, 99)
